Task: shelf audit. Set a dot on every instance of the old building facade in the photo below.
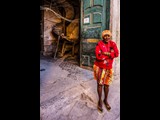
(74, 27)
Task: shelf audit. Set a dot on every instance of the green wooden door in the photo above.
(94, 19)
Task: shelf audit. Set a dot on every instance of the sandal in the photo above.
(107, 106)
(100, 109)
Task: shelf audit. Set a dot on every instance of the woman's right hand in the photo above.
(106, 53)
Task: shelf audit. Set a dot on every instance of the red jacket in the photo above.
(104, 61)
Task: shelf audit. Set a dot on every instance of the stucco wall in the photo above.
(115, 28)
(50, 19)
(54, 23)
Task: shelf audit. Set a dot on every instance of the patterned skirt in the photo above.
(103, 76)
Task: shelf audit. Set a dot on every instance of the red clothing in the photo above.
(104, 61)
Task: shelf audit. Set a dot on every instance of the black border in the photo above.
(21, 82)
(139, 60)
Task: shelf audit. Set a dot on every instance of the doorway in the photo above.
(61, 17)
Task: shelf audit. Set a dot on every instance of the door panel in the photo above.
(94, 19)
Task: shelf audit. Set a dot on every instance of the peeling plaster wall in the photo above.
(50, 20)
(115, 28)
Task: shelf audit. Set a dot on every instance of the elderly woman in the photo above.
(106, 50)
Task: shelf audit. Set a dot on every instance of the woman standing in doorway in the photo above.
(106, 50)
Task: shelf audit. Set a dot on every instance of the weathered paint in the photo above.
(50, 20)
(94, 19)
